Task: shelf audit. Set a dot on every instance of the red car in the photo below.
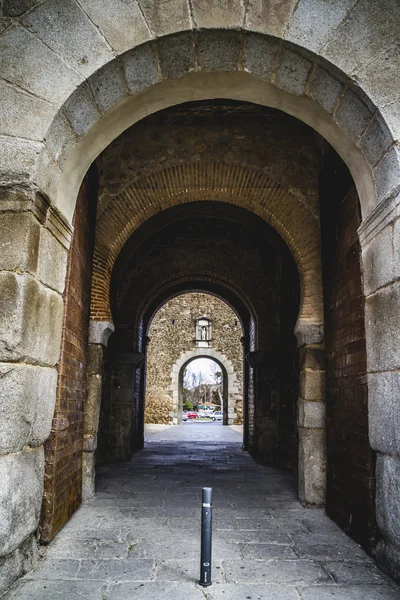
(192, 414)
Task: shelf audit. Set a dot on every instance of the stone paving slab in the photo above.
(139, 539)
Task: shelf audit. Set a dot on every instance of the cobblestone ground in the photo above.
(139, 538)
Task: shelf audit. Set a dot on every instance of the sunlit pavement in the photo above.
(140, 537)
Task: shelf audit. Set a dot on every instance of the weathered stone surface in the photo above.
(169, 16)
(355, 592)
(58, 590)
(60, 138)
(21, 493)
(81, 110)
(140, 68)
(88, 476)
(376, 140)
(378, 261)
(353, 115)
(312, 466)
(15, 8)
(176, 55)
(382, 323)
(308, 333)
(222, 14)
(47, 174)
(121, 22)
(19, 241)
(31, 320)
(325, 88)
(107, 86)
(38, 69)
(52, 265)
(383, 412)
(100, 331)
(357, 40)
(92, 405)
(25, 412)
(22, 114)
(387, 173)
(259, 55)
(218, 51)
(312, 357)
(313, 23)
(95, 359)
(388, 497)
(66, 29)
(269, 17)
(293, 72)
(388, 559)
(18, 562)
(18, 159)
(311, 414)
(312, 385)
(396, 248)
(378, 75)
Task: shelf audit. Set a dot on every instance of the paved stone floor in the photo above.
(139, 538)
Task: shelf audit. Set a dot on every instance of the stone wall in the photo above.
(172, 333)
(63, 450)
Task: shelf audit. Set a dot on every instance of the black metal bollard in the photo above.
(206, 537)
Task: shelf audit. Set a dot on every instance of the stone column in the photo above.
(99, 333)
(34, 241)
(380, 242)
(311, 421)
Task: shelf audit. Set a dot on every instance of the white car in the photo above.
(217, 415)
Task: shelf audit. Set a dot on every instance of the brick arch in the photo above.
(295, 221)
(231, 383)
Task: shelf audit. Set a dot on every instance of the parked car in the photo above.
(192, 414)
(217, 415)
(184, 417)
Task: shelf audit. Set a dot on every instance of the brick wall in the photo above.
(63, 474)
(351, 461)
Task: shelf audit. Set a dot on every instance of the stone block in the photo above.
(38, 69)
(308, 333)
(312, 385)
(30, 320)
(47, 175)
(382, 325)
(325, 88)
(19, 241)
(95, 359)
(377, 261)
(15, 8)
(311, 414)
(353, 115)
(176, 55)
(21, 491)
(383, 412)
(170, 16)
(259, 55)
(107, 86)
(27, 399)
(312, 357)
(60, 139)
(140, 68)
(121, 22)
(81, 110)
(396, 248)
(271, 18)
(387, 173)
(312, 466)
(67, 30)
(22, 114)
(56, 590)
(88, 476)
(52, 265)
(18, 562)
(313, 23)
(388, 497)
(218, 14)
(376, 141)
(388, 559)
(92, 405)
(293, 72)
(18, 159)
(100, 331)
(217, 50)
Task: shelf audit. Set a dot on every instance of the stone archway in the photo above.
(231, 387)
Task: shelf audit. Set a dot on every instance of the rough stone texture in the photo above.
(81, 110)
(353, 115)
(19, 235)
(218, 51)
(68, 32)
(176, 55)
(18, 160)
(377, 140)
(325, 88)
(121, 22)
(99, 332)
(25, 415)
(107, 86)
(382, 316)
(24, 72)
(312, 385)
(293, 72)
(383, 411)
(28, 314)
(140, 68)
(21, 493)
(222, 14)
(18, 562)
(378, 261)
(166, 17)
(269, 17)
(172, 332)
(386, 173)
(311, 414)
(312, 466)
(388, 498)
(52, 263)
(255, 46)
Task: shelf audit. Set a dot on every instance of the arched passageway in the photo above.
(300, 189)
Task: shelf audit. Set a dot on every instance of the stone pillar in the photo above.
(380, 242)
(34, 241)
(311, 421)
(99, 333)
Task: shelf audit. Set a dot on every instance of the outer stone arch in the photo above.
(232, 387)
